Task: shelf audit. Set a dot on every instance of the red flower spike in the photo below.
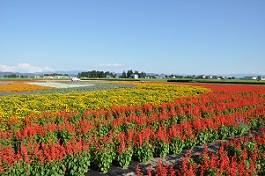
(149, 171)
(138, 171)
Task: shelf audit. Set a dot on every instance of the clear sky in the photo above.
(171, 36)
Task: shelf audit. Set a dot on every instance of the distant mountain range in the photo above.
(70, 73)
(2, 74)
(75, 72)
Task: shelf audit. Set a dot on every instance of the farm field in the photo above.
(55, 130)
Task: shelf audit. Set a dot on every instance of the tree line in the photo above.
(107, 74)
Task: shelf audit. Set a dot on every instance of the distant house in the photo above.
(260, 78)
(201, 77)
(134, 76)
(61, 77)
(108, 76)
(157, 76)
(48, 77)
(55, 76)
(160, 76)
(209, 77)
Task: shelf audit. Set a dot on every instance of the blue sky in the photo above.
(173, 36)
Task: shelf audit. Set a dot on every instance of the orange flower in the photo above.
(21, 87)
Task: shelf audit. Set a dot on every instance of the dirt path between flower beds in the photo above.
(170, 160)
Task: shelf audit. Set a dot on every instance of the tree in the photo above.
(93, 74)
(101, 74)
(129, 73)
(142, 75)
(82, 74)
(23, 76)
(107, 73)
(124, 75)
(12, 76)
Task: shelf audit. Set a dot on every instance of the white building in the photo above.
(75, 79)
(134, 76)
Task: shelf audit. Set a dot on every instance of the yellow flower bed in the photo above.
(21, 105)
(21, 87)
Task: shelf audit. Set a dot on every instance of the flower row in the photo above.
(22, 105)
(21, 87)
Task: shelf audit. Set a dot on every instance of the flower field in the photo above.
(21, 87)
(22, 105)
(66, 134)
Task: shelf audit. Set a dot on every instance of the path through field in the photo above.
(169, 160)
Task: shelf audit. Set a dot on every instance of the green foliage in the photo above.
(256, 123)
(103, 159)
(213, 133)
(64, 135)
(54, 168)
(223, 132)
(95, 74)
(232, 130)
(143, 152)
(242, 128)
(176, 145)
(248, 144)
(74, 118)
(203, 137)
(78, 164)
(232, 150)
(190, 142)
(102, 130)
(161, 149)
(125, 157)
(19, 168)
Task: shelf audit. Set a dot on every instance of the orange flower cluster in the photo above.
(21, 87)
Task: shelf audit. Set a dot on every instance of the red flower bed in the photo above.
(242, 156)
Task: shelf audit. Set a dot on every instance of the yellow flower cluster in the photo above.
(21, 105)
(21, 87)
